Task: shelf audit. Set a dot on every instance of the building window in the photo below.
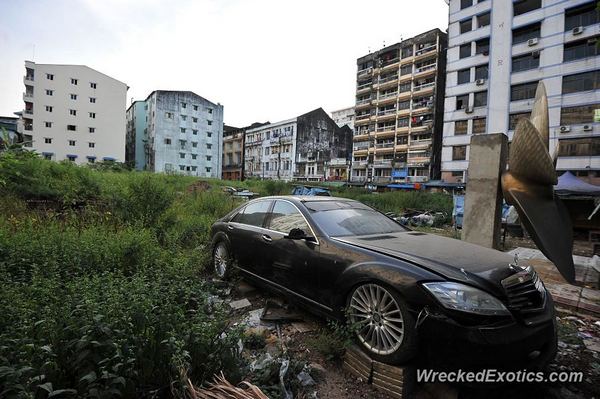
(195, 108)
(404, 105)
(182, 129)
(209, 123)
(581, 82)
(73, 96)
(482, 46)
(48, 124)
(208, 134)
(168, 141)
(47, 140)
(72, 143)
(523, 6)
(49, 92)
(584, 15)
(74, 81)
(580, 49)
(194, 120)
(483, 20)
(194, 156)
(465, 50)
(169, 115)
(49, 76)
(73, 112)
(194, 144)
(584, 147)
(209, 110)
(93, 85)
(183, 105)
(182, 155)
(460, 127)
(525, 33)
(526, 62)
(406, 70)
(404, 87)
(459, 153)
(208, 146)
(466, 25)
(71, 158)
(462, 102)
(92, 129)
(479, 125)
(47, 156)
(465, 4)
(403, 122)
(184, 117)
(523, 91)
(580, 114)
(182, 144)
(464, 76)
(209, 158)
(209, 169)
(480, 99)
(49, 108)
(481, 72)
(92, 145)
(513, 119)
(93, 100)
(93, 115)
(194, 131)
(91, 159)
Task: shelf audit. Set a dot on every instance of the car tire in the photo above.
(222, 260)
(384, 328)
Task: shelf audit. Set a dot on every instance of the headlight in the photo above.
(464, 298)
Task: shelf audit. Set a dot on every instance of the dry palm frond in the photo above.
(223, 389)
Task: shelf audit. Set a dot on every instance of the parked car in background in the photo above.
(402, 290)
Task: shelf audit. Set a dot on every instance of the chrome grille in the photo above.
(525, 291)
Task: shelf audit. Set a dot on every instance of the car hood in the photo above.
(453, 259)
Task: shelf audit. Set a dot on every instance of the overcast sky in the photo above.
(262, 59)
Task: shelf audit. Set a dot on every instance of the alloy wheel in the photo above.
(221, 259)
(377, 318)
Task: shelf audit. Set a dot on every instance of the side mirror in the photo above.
(296, 234)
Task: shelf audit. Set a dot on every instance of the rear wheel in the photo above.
(384, 327)
(221, 260)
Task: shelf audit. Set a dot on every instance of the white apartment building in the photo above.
(183, 133)
(498, 50)
(270, 150)
(343, 117)
(73, 112)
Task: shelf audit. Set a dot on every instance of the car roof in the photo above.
(306, 198)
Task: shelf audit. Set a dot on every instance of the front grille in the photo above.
(525, 291)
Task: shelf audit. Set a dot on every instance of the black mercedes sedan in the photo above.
(404, 292)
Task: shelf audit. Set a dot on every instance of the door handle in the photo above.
(229, 227)
(267, 238)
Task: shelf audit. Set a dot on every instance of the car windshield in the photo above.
(343, 219)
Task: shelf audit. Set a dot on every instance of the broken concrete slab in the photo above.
(274, 312)
(240, 304)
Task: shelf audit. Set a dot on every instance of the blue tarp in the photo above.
(306, 190)
(458, 210)
(569, 184)
(402, 185)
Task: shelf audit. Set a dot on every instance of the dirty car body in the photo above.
(406, 292)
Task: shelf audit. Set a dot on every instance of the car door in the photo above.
(292, 263)
(246, 231)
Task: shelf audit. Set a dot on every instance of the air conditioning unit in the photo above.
(565, 129)
(480, 82)
(578, 30)
(588, 128)
(536, 54)
(469, 110)
(532, 42)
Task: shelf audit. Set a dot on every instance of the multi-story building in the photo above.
(136, 135)
(233, 151)
(497, 54)
(343, 117)
(183, 133)
(297, 148)
(73, 112)
(398, 112)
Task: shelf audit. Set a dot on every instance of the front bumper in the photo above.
(513, 345)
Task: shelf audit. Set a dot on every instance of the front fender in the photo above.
(404, 278)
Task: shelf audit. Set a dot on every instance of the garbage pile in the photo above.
(419, 218)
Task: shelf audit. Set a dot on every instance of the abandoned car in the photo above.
(404, 292)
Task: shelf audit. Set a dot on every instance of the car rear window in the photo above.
(316, 206)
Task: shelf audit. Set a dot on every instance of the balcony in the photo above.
(385, 130)
(424, 86)
(387, 114)
(389, 144)
(426, 68)
(365, 87)
(385, 163)
(363, 103)
(28, 78)
(361, 145)
(417, 179)
(363, 73)
(387, 80)
(359, 165)
(420, 143)
(27, 96)
(426, 51)
(358, 179)
(388, 63)
(362, 117)
(382, 179)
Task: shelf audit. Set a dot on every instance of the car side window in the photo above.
(253, 214)
(285, 217)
